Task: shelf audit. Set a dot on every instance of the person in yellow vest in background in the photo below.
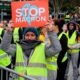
(72, 54)
(62, 57)
(5, 60)
(78, 38)
(77, 46)
(30, 54)
(1, 31)
(52, 61)
(67, 18)
(17, 34)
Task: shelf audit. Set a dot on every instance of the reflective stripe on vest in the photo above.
(52, 62)
(72, 41)
(65, 58)
(16, 35)
(4, 59)
(37, 63)
(31, 64)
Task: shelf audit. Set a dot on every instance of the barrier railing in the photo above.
(9, 74)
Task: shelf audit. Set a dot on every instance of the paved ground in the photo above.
(71, 72)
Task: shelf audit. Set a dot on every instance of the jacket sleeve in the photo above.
(76, 46)
(6, 43)
(52, 47)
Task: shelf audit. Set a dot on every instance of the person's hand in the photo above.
(10, 27)
(70, 47)
(49, 26)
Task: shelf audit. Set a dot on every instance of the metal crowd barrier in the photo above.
(10, 74)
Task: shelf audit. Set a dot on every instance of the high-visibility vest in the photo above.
(52, 62)
(59, 37)
(67, 18)
(72, 41)
(4, 58)
(1, 29)
(37, 63)
(16, 35)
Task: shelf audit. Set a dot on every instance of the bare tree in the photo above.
(56, 7)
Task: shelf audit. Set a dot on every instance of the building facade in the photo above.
(5, 9)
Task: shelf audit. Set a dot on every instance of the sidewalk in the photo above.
(71, 72)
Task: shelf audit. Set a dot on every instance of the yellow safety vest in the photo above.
(1, 29)
(37, 63)
(4, 59)
(67, 18)
(16, 35)
(59, 37)
(52, 62)
(72, 41)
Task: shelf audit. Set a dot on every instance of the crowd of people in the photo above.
(43, 53)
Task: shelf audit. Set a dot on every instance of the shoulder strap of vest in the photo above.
(60, 35)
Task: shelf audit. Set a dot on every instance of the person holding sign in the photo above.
(30, 54)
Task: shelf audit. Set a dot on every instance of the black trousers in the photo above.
(61, 70)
